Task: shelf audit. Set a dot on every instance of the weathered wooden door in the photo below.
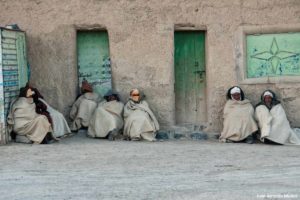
(13, 72)
(22, 59)
(190, 77)
(93, 60)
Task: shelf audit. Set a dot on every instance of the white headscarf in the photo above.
(235, 90)
(268, 93)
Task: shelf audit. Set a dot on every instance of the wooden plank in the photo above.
(12, 89)
(9, 51)
(9, 46)
(11, 78)
(10, 83)
(22, 59)
(10, 94)
(9, 62)
(8, 41)
(9, 57)
(9, 68)
(200, 77)
(9, 97)
(179, 77)
(9, 73)
(190, 78)
(9, 34)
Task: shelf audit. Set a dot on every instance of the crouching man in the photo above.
(84, 107)
(238, 114)
(107, 120)
(26, 123)
(140, 122)
(272, 120)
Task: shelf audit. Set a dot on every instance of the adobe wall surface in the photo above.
(141, 46)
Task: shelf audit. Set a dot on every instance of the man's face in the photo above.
(135, 95)
(112, 98)
(236, 96)
(29, 93)
(268, 99)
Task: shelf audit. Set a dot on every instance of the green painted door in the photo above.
(93, 60)
(13, 72)
(190, 77)
(22, 59)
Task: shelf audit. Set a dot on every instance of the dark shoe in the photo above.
(44, 141)
(112, 135)
(135, 139)
(13, 135)
(48, 139)
(250, 139)
(74, 131)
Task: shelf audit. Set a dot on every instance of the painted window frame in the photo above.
(241, 53)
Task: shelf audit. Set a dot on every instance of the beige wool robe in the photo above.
(274, 125)
(239, 120)
(107, 117)
(26, 122)
(83, 109)
(140, 122)
(60, 125)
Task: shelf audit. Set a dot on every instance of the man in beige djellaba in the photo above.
(140, 122)
(26, 123)
(59, 124)
(273, 123)
(107, 120)
(84, 107)
(238, 114)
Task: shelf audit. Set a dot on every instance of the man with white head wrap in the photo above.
(235, 93)
(273, 123)
(238, 114)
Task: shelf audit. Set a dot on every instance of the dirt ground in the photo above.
(82, 168)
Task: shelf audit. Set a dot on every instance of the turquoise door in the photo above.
(14, 64)
(190, 98)
(13, 72)
(93, 60)
(22, 59)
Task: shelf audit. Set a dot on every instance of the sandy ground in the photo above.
(84, 168)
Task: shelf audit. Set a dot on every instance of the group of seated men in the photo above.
(241, 119)
(32, 120)
(109, 117)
